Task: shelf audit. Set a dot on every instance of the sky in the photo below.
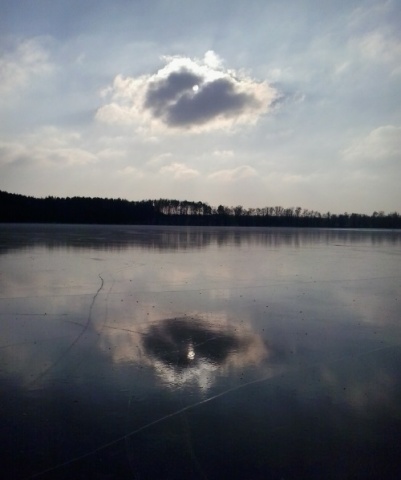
(257, 103)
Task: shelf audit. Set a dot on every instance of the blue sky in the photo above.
(256, 103)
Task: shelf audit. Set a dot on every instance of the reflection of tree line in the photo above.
(20, 208)
(156, 237)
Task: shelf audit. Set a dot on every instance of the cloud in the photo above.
(367, 16)
(232, 175)
(179, 171)
(188, 94)
(375, 35)
(158, 161)
(382, 146)
(380, 47)
(46, 147)
(223, 153)
(21, 64)
(130, 171)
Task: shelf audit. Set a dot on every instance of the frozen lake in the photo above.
(199, 353)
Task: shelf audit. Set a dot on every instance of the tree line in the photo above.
(16, 208)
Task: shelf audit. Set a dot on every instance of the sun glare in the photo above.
(191, 352)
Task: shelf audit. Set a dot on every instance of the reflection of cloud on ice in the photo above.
(190, 350)
(186, 350)
(200, 374)
(369, 380)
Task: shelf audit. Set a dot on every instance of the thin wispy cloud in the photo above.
(235, 174)
(47, 148)
(21, 64)
(381, 147)
(179, 171)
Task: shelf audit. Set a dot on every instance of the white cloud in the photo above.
(158, 160)
(223, 153)
(130, 171)
(111, 154)
(19, 66)
(234, 174)
(46, 147)
(382, 146)
(179, 171)
(367, 16)
(187, 95)
(11, 152)
(380, 47)
(212, 60)
(375, 35)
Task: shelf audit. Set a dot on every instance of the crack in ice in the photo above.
(75, 341)
(193, 406)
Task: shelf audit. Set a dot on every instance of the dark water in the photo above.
(199, 353)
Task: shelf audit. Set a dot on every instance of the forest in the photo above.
(15, 208)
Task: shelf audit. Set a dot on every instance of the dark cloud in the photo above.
(184, 99)
(188, 94)
(162, 93)
(217, 98)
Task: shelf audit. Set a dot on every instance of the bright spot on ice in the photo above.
(191, 352)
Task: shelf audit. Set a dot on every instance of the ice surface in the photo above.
(173, 352)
